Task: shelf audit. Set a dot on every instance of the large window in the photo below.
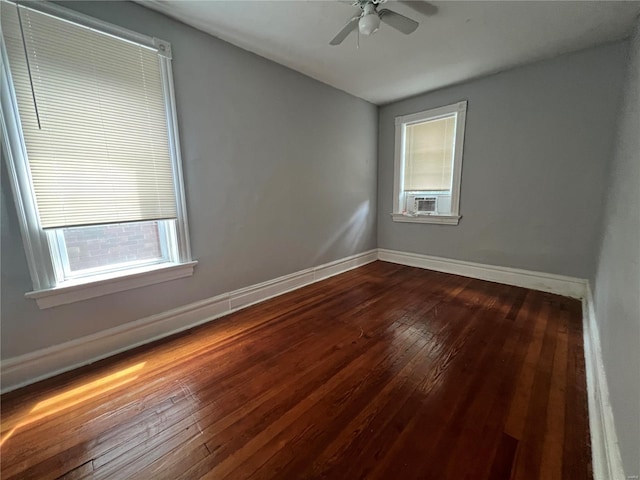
(89, 118)
(428, 165)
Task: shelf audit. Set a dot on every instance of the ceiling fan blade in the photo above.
(348, 28)
(399, 22)
(425, 8)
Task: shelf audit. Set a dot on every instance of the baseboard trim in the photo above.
(35, 366)
(605, 451)
(546, 282)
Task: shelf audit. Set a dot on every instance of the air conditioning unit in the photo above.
(422, 204)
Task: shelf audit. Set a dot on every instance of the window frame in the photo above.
(41, 248)
(401, 122)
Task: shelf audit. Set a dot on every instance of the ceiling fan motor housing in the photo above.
(369, 21)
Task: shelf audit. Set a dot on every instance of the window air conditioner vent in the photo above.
(425, 204)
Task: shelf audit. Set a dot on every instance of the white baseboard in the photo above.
(35, 366)
(546, 282)
(605, 451)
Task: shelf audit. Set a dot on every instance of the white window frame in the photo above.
(41, 247)
(401, 123)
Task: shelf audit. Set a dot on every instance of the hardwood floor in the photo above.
(385, 372)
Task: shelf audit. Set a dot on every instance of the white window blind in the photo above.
(428, 163)
(92, 110)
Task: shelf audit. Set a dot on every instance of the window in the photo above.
(89, 119)
(428, 165)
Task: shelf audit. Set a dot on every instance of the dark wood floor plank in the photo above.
(339, 456)
(382, 318)
(385, 371)
(208, 416)
(83, 471)
(551, 461)
(484, 457)
(481, 421)
(293, 460)
(442, 405)
(503, 461)
(211, 414)
(519, 406)
(348, 385)
(335, 407)
(527, 463)
(337, 438)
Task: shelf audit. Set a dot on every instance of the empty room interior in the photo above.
(361, 239)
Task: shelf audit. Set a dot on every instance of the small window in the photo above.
(428, 165)
(93, 148)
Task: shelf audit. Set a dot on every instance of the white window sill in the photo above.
(76, 290)
(437, 219)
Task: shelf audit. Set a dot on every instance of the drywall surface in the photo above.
(280, 175)
(536, 142)
(617, 278)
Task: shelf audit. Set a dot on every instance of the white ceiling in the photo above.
(462, 41)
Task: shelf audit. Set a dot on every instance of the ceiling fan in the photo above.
(368, 20)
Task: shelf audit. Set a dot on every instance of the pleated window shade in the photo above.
(428, 159)
(101, 154)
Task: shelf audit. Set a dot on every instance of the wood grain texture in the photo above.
(382, 372)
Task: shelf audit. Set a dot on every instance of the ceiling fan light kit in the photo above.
(368, 20)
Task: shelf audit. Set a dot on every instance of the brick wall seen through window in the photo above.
(90, 247)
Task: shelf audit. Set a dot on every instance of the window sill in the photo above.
(74, 291)
(437, 219)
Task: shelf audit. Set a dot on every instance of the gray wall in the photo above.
(536, 139)
(617, 279)
(280, 174)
